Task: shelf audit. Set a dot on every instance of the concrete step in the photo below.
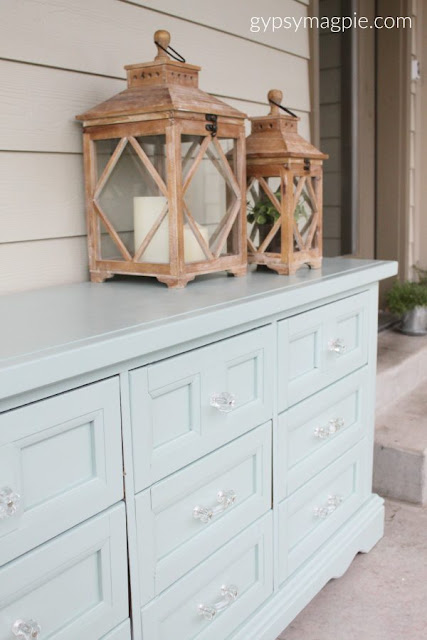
(400, 456)
(401, 366)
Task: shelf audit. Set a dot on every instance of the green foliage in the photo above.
(264, 211)
(405, 296)
(422, 274)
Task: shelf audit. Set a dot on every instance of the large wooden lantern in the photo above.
(165, 177)
(284, 193)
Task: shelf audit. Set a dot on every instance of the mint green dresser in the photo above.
(191, 464)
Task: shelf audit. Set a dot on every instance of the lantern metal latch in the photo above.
(307, 164)
(213, 127)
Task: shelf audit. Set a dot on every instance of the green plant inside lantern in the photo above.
(263, 215)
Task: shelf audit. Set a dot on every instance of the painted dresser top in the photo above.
(72, 329)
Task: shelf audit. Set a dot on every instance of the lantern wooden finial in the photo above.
(163, 38)
(275, 95)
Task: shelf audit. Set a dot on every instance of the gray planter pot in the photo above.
(414, 322)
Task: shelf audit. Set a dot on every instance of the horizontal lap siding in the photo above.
(330, 128)
(61, 57)
(41, 196)
(30, 265)
(237, 17)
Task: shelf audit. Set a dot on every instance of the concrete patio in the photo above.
(383, 594)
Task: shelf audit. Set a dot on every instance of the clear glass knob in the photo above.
(224, 401)
(26, 629)
(228, 596)
(9, 502)
(337, 345)
(335, 425)
(325, 432)
(328, 509)
(224, 498)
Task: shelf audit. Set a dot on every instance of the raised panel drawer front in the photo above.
(122, 632)
(313, 513)
(315, 432)
(191, 514)
(220, 594)
(73, 587)
(61, 460)
(188, 405)
(321, 346)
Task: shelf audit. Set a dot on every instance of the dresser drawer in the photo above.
(183, 519)
(229, 586)
(315, 432)
(74, 586)
(122, 632)
(321, 346)
(60, 463)
(173, 422)
(313, 513)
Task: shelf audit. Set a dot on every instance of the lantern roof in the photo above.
(276, 135)
(163, 85)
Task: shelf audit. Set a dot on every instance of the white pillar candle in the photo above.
(193, 252)
(146, 210)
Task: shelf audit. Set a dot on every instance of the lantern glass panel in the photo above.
(264, 211)
(210, 197)
(305, 212)
(131, 205)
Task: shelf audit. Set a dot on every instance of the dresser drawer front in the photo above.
(171, 540)
(74, 586)
(244, 564)
(62, 457)
(122, 632)
(173, 422)
(315, 432)
(312, 514)
(318, 347)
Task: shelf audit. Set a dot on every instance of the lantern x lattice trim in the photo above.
(284, 193)
(165, 177)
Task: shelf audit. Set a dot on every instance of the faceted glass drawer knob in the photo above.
(325, 432)
(223, 401)
(9, 502)
(337, 345)
(224, 498)
(328, 509)
(26, 629)
(228, 596)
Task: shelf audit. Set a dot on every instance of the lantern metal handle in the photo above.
(162, 39)
(275, 96)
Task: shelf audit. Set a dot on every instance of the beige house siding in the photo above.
(417, 254)
(61, 57)
(413, 247)
(421, 138)
(330, 127)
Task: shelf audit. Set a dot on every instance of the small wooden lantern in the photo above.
(165, 177)
(284, 193)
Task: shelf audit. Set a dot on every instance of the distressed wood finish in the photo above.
(276, 150)
(163, 98)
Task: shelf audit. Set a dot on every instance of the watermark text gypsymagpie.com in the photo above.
(334, 24)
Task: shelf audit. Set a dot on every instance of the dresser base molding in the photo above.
(360, 534)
